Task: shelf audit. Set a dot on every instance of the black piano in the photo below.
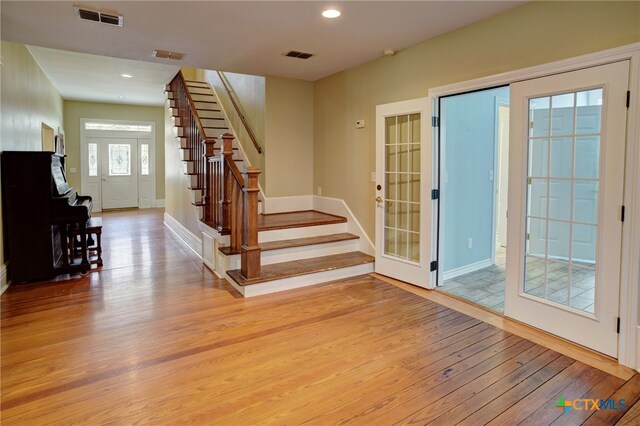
(39, 207)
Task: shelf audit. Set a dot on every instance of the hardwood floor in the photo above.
(155, 338)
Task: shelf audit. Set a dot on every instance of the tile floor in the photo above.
(485, 286)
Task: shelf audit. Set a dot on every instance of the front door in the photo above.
(402, 189)
(119, 173)
(565, 197)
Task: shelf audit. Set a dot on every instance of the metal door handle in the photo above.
(378, 199)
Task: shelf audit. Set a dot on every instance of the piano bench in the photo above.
(94, 227)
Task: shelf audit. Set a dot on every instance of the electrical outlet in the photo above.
(72, 169)
(470, 243)
(319, 190)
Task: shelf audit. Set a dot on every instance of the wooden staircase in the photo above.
(257, 253)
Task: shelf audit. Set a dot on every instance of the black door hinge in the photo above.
(618, 326)
(628, 98)
(434, 265)
(435, 194)
(622, 214)
(435, 121)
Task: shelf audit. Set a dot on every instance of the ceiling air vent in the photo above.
(165, 54)
(105, 18)
(299, 55)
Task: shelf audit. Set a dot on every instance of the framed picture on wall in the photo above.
(60, 143)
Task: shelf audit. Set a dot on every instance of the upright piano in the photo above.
(39, 206)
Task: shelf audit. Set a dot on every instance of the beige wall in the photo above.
(75, 110)
(535, 33)
(27, 99)
(250, 90)
(289, 137)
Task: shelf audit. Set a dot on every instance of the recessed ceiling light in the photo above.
(126, 75)
(122, 97)
(331, 13)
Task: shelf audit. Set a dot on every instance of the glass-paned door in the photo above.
(567, 180)
(401, 249)
(119, 173)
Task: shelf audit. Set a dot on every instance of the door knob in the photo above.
(378, 199)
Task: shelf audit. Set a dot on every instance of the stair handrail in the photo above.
(192, 106)
(236, 105)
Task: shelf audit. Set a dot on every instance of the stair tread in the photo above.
(296, 268)
(297, 219)
(298, 242)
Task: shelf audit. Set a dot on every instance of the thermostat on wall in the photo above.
(359, 124)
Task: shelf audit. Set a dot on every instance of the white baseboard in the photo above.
(159, 203)
(339, 207)
(4, 284)
(183, 234)
(467, 269)
(638, 348)
(288, 204)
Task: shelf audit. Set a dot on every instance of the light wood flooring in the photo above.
(155, 338)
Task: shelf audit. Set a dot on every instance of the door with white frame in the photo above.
(566, 183)
(402, 185)
(119, 173)
(118, 163)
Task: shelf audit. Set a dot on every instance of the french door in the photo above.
(402, 207)
(567, 148)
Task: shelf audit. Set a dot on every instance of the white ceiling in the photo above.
(84, 77)
(243, 36)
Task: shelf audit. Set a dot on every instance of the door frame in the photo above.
(106, 134)
(629, 337)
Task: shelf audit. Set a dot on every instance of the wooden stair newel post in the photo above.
(227, 155)
(250, 250)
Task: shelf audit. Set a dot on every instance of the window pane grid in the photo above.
(402, 187)
(562, 197)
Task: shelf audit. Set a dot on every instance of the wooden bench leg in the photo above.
(99, 247)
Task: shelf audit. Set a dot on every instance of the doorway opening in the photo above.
(474, 158)
(118, 163)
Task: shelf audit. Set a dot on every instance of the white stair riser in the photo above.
(205, 105)
(214, 123)
(298, 253)
(188, 166)
(214, 133)
(176, 120)
(193, 181)
(169, 94)
(204, 114)
(202, 97)
(196, 196)
(302, 280)
(171, 104)
(307, 231)
(167, 87)
(178, 131)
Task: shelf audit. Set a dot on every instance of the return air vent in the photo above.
(165, 54)
(105, 18)
(299, 55)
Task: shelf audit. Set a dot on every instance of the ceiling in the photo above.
(241, 36)
(84, 77)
